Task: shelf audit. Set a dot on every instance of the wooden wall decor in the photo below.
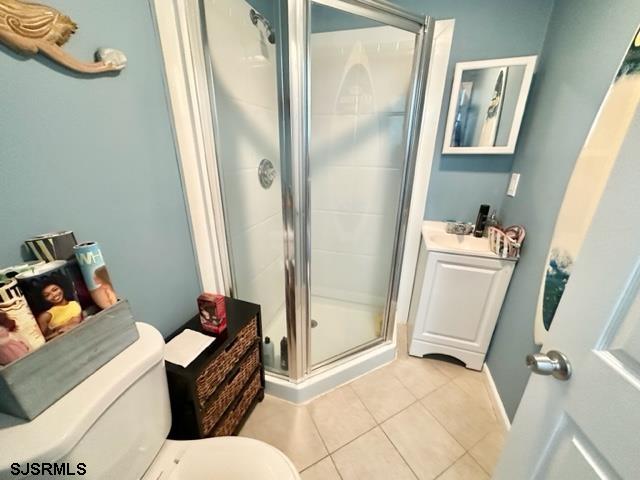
(30, 28)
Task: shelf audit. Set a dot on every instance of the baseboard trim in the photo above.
(497, 401)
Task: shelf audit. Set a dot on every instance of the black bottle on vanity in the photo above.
(284, 354)
(481, 220)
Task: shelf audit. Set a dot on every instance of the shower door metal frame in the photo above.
(181, 29)
(181, 26)
(295, 111)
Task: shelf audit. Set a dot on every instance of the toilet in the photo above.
(115, 425)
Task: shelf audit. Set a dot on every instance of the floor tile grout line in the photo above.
(399, 453)
(313, 464)
(449, 380)
(475, 459)
(356, 437)
(371, 413)
(377, 425)
(442, 425)
(306, 410)
(317, 429)
(335, 465)
(324, 443)
(349, 443)
(423, 401)
(456, 461)
(399, 412)
(375, 421)
(419, 401)
(467, 450)
(485, 436)
(400, 379)
(479, 464)
(489, 397)
(464, 450)
(439, 422)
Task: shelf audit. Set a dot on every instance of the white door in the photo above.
(589, 426)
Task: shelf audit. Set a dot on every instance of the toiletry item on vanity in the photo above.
(481, 220)
(506, 243)
(267, 352)
(459, 228)
(213, 312)
(284, 354)
(492, 221)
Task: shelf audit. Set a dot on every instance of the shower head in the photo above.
(258, 17)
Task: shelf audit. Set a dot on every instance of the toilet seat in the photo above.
(222, 458)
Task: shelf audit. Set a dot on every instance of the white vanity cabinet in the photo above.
(457, 295)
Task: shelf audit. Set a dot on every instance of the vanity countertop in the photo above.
(436, 239)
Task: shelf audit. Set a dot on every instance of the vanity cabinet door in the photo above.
(460, 300)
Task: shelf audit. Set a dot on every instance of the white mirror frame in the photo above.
(529, 63)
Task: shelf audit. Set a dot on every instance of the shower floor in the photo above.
(341, 326)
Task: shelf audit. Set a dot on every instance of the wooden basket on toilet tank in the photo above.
(36, 381)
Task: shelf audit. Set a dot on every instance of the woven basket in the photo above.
(234, 416)
(214, 409)
(502, 245)
(217, 370)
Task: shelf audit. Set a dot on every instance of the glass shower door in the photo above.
(240, 39)
(360, 82)
(313, 104)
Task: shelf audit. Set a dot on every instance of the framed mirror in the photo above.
(487, 103)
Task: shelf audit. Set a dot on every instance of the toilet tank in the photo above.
(111, 426)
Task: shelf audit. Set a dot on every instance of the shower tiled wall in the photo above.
(359, 80)
(244, 69)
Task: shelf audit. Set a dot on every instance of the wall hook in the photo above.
(31, 28)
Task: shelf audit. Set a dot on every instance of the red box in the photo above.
(213, 312)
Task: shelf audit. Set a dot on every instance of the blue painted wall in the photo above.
(584, 47)
(96, 155)
(487, 29)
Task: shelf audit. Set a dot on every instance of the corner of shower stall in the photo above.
(314, 108)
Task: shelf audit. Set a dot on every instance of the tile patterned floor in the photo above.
(413, 419)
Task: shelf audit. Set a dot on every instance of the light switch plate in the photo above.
(513, 185)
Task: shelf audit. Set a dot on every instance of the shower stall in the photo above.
(315, 110)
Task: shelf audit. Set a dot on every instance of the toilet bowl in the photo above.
(227, 458)
(115, 425)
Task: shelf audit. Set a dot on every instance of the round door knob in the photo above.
(551, 363)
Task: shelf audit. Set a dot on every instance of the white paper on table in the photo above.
(185, 347)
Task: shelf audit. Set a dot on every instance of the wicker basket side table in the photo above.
(215, 394)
